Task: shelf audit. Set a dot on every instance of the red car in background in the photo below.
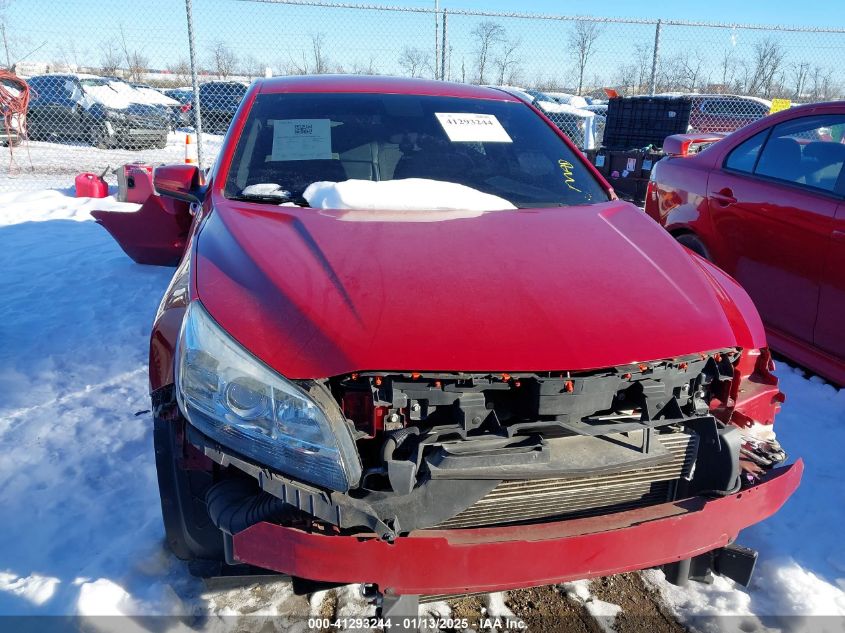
(725, 113)
(767, 205)
(522, 382)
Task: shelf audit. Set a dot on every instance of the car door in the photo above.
(48, 114)
(830, 326)
(773, 204)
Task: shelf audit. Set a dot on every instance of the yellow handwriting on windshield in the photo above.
(568, 168)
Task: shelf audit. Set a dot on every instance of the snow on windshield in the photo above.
(409, 194)
(98, 93)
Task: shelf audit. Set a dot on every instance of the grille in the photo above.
(513, 502)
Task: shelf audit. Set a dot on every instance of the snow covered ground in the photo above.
(81, 527)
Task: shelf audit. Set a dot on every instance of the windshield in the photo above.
(94, 82)
(501, 148)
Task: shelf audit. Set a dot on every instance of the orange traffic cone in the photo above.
(190, 149)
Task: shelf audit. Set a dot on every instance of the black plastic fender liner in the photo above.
(188, 531)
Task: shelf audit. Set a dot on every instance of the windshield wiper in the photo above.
(264, 198)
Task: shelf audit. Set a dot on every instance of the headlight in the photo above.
(235, 399)
(115, 115)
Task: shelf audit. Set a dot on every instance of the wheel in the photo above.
(189, 533)
(694, 244)
(98, 136)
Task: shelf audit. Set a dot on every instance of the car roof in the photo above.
(68, 75)
(379, 84)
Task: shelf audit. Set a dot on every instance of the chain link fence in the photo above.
(113, 83)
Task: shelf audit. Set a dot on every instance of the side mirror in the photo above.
(182, 182)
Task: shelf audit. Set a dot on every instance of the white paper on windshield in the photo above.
(470, 127)
(301, 139)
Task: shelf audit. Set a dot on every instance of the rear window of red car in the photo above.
(496, 147)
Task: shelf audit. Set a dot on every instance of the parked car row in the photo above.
(583, 126)
(96, 110)
(110, 112)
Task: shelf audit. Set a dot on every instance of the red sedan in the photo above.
(766, 205)
(414, 341)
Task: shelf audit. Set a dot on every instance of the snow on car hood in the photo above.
(574, 288)
(408, 194)
(563, 108)
(153, 97)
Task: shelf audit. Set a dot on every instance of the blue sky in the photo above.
(277, 35)
(809, 13)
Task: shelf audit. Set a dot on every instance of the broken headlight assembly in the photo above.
(236, 400)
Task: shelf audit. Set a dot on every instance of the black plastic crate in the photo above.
(638, 122)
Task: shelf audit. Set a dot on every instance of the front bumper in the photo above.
(496, 559)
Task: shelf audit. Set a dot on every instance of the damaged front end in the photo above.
(420, 460)
(457, 451)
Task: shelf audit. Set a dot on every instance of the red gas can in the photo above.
(90, 185)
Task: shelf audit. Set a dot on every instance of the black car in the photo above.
(219, 100)
(175, 111)
(186, 101)
(87, 108)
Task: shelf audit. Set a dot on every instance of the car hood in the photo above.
(317, 293)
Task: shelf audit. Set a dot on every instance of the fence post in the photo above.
(437, 70)
(443, 49)
(653, 81)
(194, 81)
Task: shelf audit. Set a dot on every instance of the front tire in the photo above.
(98, 136)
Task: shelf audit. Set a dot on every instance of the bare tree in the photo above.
(70, 55)
(766, 61)
(223, 60)
(487, 35)
(251, 67)
(181, 71)
(822, 84)
(365, 69)
(642, 58)
(314, 64)
(582, 38)
(691, 71)
(414, 61)
(627, 78)
(136, 62)
(727, 66)
(109, 57)
(800, 74)
(507, 62)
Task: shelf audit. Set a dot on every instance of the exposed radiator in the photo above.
(522, 501)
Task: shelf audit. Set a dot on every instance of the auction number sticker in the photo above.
(301, 139)
(470, 127)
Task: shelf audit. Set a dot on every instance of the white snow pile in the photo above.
(603, 612)
(408, 194)
(153, 97)
(801, 569)
(266, 189)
